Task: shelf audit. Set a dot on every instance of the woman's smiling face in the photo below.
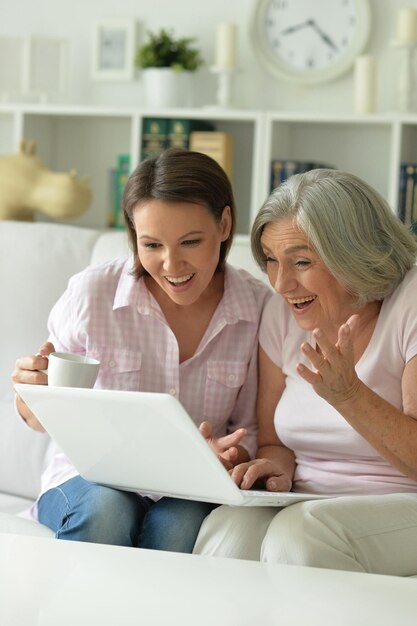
(298, 274)
(179, 246)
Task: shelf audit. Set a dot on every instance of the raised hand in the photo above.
(335, 378)
(224, 447)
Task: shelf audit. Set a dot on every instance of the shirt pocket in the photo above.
(119, 368)
(224, 380)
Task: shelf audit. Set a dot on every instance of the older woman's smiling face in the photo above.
(298, 274)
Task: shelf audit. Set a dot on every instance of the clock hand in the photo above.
(293, 29)
(323, 35)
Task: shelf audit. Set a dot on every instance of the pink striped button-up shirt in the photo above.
(107, 314)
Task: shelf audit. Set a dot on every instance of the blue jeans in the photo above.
(80, 510)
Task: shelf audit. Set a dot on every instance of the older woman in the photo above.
(337, 401)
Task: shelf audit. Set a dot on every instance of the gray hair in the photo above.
(348, 224)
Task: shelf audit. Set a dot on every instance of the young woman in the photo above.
(173, 318)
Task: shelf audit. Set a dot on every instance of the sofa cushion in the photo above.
(109, 245)
(22, 453)
(15, 505)
(38, 259)
(18, 526)
(43, 256)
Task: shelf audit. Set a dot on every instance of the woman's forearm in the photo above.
(390, 431)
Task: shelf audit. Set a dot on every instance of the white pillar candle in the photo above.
(407, 25)
(225, 46)
(364, 84)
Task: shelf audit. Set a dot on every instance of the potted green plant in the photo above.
(167, 64)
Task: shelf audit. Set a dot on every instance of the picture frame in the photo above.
(113, 50)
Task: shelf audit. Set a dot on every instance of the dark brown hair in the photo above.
(179, 176)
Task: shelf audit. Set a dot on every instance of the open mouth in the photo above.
(179, 281)
(301, 303)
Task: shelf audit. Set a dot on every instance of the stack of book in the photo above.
(159, 134)
(281, 169)
(407, 201)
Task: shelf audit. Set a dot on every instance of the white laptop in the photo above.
(139, 441)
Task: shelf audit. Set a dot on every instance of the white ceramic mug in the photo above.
(71, 370)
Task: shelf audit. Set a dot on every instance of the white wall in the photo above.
(254, 87)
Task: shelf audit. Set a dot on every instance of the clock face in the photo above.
(310, 41)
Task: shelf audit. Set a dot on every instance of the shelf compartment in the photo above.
(349, 146)
(88, 143)
(7, 133)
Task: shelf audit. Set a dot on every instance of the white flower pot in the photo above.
(166, 88)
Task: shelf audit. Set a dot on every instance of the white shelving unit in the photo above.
(90, 138)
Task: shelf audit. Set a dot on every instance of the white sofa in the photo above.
(37, 261)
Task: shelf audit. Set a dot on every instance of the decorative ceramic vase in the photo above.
(166, 88)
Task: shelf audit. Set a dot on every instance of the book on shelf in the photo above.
(217, 145)
(407, 201)
(154, 136)
(120, 180)
(111, 196)
(281, 169)
(179, 131)
(158, 134)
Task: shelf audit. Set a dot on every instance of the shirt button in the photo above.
(173, 391)
(112, 363)
(232, 377)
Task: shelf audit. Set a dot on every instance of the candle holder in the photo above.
(405, 79)
(364, 88)
(224, 95)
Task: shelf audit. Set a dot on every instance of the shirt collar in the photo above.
(127, 290)
(238, 302)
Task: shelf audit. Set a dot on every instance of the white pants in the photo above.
(375, 534)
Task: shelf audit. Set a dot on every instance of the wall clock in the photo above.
(309, 41)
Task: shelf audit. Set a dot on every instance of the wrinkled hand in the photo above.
(225, 447)
(28, 370)
(265, 471)
(335, 378)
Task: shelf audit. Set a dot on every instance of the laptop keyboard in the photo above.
(258, 492)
